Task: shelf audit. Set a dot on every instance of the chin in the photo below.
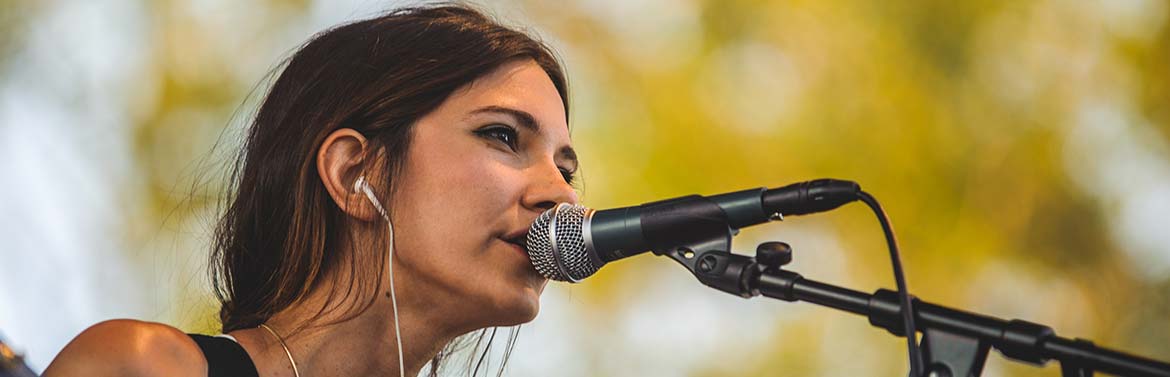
(519, 309)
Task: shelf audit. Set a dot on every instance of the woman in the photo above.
(457, 127)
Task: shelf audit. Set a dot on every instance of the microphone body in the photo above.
(569, 243)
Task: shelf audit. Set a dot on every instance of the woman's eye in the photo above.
(504, 134)
(568, 175)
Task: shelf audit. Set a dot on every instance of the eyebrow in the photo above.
(529, 122)
(525, 119)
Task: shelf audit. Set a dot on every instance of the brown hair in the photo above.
(376, 76)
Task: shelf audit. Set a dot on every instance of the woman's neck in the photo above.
(329, 344)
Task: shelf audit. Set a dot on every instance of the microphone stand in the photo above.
(954, 342)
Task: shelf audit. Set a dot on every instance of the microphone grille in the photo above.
(556, 244)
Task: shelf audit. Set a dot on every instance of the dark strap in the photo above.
(225, 358)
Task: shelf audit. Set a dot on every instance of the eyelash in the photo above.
(511, 139)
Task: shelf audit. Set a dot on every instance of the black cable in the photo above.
(900, 280)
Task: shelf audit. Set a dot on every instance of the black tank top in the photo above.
(225, 357)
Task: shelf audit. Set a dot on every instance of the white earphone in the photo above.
(361, 185)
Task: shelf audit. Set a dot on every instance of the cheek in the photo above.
(475, 189)
(450, 205)
(436, 180)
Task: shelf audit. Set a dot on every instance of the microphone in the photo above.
(571, 242)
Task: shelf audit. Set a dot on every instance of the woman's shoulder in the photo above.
(126, 347)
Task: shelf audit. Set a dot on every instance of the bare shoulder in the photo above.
(125, 347)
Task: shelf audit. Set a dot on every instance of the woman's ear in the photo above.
(339, 163)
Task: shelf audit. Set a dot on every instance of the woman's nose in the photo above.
(548, 188)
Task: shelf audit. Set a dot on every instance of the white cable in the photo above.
(360, 184)
(393, 298)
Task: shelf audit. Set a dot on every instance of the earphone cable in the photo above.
(361, 185)
(393, 296)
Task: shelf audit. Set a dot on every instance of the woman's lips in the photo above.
(517, 248)
(531, 270)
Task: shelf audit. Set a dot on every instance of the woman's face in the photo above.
(480, 169)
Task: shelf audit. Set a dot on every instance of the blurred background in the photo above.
(1021, 148)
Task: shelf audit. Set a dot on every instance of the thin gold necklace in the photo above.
(282, 345)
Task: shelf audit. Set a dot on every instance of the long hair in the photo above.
(377, 76)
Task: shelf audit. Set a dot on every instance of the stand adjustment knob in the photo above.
(773, 254)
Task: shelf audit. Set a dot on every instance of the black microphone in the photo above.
(571, 242)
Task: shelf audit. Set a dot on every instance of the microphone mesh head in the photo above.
(556, 244)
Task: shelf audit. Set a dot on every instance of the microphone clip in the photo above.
(702, 245)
